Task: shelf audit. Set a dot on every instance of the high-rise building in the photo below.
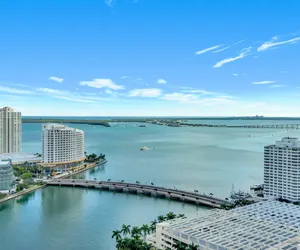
(282, 170)
(6, 175)
(63, 147)
(10, 131)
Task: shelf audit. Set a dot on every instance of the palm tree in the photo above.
(137, 182)
(116, 234)
(108, 179)
(196, 191)
(171, 216)
(161, 218)
(180, 216)
(211, 194)
(179, 245)
(125, 229)
(192, 247)
(145, 230)
(152, 183)
(122, 181)
(135, 232)
(153, 226)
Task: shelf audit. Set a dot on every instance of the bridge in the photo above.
(148, 190)
(275, 126)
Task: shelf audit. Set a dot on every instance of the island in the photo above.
(72, 121)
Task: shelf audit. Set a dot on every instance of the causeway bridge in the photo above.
(148, 190)
(275, 126)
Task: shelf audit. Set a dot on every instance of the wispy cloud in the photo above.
(180, 97)
(201, 92)
(71, 96)
(197, 99)
(235, 74)
(277, 86)
(145, 92)
(123, 77)
(161, 81)
(109, 3)
(263, 82)
(102, 83)
(73, 99)
(274, 43)
(56, 79)
(244, 52)
(199, 52)
(15, 90)
(228, 47)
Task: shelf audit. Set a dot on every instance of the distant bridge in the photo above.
(167, 193)
(275, 126)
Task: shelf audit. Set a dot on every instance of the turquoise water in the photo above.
(207, 159)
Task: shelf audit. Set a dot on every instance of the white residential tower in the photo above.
(282, 170)
(63, 146)
(10, 131)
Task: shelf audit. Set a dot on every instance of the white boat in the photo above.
(144, 148)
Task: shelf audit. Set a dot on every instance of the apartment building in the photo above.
(10, 131)
(282, 169)
(63, 147)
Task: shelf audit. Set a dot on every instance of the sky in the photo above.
(150, 57)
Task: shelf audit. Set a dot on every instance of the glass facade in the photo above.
(6, 175)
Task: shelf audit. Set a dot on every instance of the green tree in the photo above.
(125, 229)
(135, 232)
(145, 229)
(161, 218)
(116, 234)
(26, 176)
(171, 216)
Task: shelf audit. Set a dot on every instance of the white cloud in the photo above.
(123, 77)
(70, 96)
(15, 90)
(109, 3)
(180, 97)
(74, 99)
(235, 74)
(200, 91)
(273, 43)
(197, 99)
(207, 49)
(145, 92)
(52, 91)
(277, 86)
(161, 81)
(263, 82)
(222, 49)
(102, 83)
(56, 79)
(244, 52)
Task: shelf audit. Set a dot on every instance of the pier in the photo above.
(148, 190)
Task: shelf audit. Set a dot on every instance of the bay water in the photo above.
(210, 160)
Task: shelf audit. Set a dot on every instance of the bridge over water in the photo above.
(275, 126)
(148, 190)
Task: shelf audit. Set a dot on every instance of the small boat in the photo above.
(144, 148)
(142, 126)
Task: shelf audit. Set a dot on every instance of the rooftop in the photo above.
(20, 157)
(50, 126)
(264, 225)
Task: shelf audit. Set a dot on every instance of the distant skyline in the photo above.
(150, 57)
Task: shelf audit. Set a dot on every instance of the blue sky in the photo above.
(150, 57)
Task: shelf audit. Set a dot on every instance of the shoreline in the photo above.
(35, 187)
